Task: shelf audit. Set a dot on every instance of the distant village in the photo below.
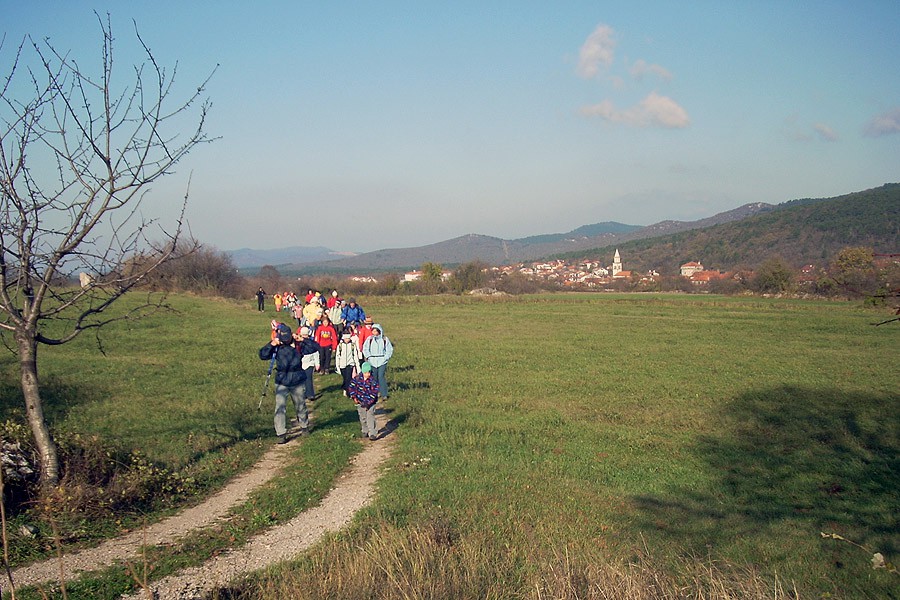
(774, 276)
(593, 274)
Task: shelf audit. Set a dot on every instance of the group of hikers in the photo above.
(332, 336)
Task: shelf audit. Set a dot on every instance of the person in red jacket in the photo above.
(364, 331)
(333, 299)
(327, 338)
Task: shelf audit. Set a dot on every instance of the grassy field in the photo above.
(549, 445)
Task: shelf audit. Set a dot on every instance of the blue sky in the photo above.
(368, 125)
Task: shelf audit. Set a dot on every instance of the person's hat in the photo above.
(304, 331)
(369, 320)
(284, 333)
(352, 300)
(365, 367)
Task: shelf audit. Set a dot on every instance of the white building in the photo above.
(617, 264)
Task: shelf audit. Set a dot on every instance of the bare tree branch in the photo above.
(77, 155)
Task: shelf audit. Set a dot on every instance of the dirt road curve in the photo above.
(353, 490)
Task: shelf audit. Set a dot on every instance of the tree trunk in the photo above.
(34, 409)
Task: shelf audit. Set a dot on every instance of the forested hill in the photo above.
(807, 231)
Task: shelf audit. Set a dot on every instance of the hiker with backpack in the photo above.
(290, 380)
(346, 359)
(309, 356)
(377, 350)
(353, 313)
(363, 390)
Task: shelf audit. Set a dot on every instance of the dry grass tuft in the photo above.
(435, 561)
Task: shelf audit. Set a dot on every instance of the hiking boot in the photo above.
(304, 432)
(281, 439)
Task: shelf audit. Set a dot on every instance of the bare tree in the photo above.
(78, 153)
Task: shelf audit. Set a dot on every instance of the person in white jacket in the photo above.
(346, 359)
(377, 350)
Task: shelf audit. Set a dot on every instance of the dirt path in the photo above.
(353, 490)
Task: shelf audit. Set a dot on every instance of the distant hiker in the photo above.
(313, 313)
(363, 390)
(334, 315)
(260, 299)
(327, 338)
(290, 300)
(289, 381)
(346, 360)
(277, 299)
(333, 300)
(353, 313)
(377, 351)
(309, 356)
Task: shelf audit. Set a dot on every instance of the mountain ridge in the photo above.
(804, 228)
(493, 250)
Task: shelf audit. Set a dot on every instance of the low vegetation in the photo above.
(565, 446)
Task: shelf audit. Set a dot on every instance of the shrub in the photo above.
(96, 479)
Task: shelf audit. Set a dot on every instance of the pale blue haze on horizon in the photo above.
(360, 125)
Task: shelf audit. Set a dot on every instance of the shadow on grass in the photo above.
(338, 419)
(790, 458)
(57, 398)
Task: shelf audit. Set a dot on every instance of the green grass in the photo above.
(737, 429)
(597, 428)
(181, 389)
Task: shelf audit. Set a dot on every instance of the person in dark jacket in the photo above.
(290, 379)
(260, 299)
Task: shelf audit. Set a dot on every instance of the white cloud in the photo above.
(794, 130)
(641, 68)
(825, 132)
(597, 50)
(652, 111)
(884, 124)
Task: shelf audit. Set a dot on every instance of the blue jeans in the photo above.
(310, 392)
(378, 372)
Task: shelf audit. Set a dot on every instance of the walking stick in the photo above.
(266, 384)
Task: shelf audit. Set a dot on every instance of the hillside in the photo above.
(496, 251)
(809, 231)
(248, 257)
(802, 231)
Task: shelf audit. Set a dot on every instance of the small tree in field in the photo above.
(854, 270)
(469, 276)
(774, 276)
(432, 277)
(78, 152)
